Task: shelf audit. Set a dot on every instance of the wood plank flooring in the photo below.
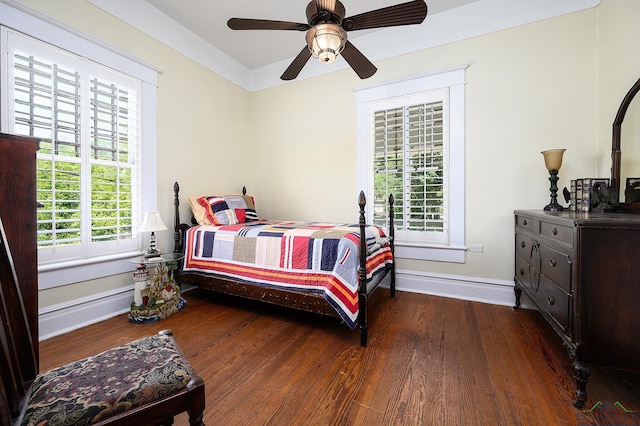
(429, 361)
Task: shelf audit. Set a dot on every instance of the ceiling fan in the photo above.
(327, 29)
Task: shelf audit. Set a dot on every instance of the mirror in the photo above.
(623, 171)
(630, 145)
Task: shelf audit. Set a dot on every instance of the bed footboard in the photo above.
(363, 293)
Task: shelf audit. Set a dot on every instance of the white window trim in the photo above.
(454, 79)
(26, 20)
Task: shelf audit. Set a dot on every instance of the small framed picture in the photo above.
(632, 190)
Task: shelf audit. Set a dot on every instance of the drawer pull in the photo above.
(553, 262)
(554, 231)
(551, 300)
(522, 244)
(521, 271)
(524, 222)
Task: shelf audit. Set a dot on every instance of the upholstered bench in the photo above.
(111, 383)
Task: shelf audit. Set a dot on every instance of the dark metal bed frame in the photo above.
(290, 298)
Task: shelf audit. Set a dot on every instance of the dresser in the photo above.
(582, 272)
(18, 203)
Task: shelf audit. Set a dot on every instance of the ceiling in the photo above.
(255, 60)
(255, 49)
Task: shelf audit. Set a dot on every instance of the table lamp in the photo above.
(553, 161)
(152, 222)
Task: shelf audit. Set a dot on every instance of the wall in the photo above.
(202, 122)
(554, 83)
(528, 89)
(618, 69)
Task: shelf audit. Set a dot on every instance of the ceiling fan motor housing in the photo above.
(326, 38)
(315, 15)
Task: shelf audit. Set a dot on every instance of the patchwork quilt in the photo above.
(312, 257)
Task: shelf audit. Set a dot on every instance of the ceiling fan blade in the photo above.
(264, 24)
(296, 66)
(360, 64)
(409, 13)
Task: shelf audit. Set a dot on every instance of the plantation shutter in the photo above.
(388, 164)
(87, 119)
(113, 124)
(47, 105)
(410, 162)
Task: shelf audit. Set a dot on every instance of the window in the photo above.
(86, 117)
(90, 119)
(410, 163)
(411, 145)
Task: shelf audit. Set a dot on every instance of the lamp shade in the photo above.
(553, 158)
(326, 41)
(152, 222)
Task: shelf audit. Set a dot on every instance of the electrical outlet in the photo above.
(475, 247)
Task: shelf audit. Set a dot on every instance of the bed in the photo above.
(318, 267)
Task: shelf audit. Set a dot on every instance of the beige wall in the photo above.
(202, 122)
(551, 84)
(618, 70)
(528, 89)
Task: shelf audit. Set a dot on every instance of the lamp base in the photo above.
(152, 251)
(553, 206)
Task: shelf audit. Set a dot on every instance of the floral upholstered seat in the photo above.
(95, 388)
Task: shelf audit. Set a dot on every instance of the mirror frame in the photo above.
(616, 153)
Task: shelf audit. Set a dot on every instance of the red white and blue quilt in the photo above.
(312, 257)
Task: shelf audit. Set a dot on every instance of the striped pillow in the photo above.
(229, 209)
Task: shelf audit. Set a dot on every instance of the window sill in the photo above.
(454, 254)
(64, 273)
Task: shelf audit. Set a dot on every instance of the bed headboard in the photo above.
(180, 228)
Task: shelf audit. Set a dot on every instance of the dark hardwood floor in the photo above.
(429, 361)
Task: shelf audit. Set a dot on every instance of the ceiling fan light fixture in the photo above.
(326, 41)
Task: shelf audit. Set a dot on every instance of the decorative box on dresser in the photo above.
(582, 271)
(18, 203)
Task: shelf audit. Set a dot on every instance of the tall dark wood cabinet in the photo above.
(18, 204)
(582, 271)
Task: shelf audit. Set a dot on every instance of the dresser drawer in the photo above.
(556, 266)
(552, 299)
(525, 246)
(523, 272)
(557, 232)
(531, 225)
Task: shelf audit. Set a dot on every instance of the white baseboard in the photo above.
(68, 316)
(495, 292)
(64, 317)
